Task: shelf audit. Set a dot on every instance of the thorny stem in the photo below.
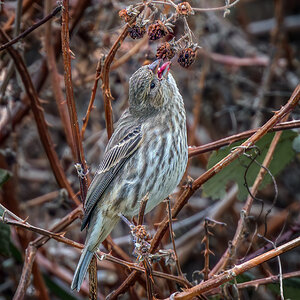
(92, 99)
(77, 143)
(55, 80)
(194, 151)
(179, 271)
(257, 282)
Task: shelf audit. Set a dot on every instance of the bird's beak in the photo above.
(154, 66)
(163, 70)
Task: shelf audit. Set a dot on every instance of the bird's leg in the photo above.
(126, 221)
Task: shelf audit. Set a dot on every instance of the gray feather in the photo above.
(112, 162)
(81, 269)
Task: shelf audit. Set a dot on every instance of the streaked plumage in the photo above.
(147, 153)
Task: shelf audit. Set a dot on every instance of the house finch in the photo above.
(147, 153)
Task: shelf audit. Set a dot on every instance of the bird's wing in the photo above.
(112, 162)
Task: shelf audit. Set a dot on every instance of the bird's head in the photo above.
(151, 88)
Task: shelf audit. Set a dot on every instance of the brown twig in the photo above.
(179, 271)
(194, 151)
(26, 272)
(92, 99)
(39, 200)
(40, 121)
(93, 279)
(105, 80)
(143, 204)
(257, 282)
(235, 271)
(206, 251)
(55, 81)
(32, 28)
(77, 143)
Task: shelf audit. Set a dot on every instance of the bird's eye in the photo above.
(152, 85)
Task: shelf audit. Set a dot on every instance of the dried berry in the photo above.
(184, 8)
(186, 57)
(128, 14)
(123, 14)
(157, 30)
(165, 51)
(137, 32)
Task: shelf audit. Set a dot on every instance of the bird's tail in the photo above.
(83, 264)
(99, 228)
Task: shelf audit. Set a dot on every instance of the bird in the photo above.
(146, 155)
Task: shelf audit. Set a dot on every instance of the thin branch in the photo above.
(26, 273)
(93, 279)
(143, 204)
(85, 120)
(55, 81)
(179, 271)
(225, 7)
(77, 143)
(32, 28)
(194, 151)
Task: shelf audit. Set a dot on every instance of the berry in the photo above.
(184, 8)
(186, 57)
(137, 32)
(165, 51)
(157, 30)
(123, 14)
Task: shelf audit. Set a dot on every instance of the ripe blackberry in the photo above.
(186, 57)
(165, 51)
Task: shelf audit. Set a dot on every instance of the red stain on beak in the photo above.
(163, 70)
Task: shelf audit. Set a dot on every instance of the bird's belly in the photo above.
(159, 178)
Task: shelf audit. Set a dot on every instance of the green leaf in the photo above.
(284, 154)
(4, 176)
(4, 228)
(4, 239)
(291, 288)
